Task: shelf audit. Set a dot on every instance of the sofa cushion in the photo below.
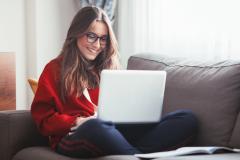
(17, 131)
(45, 153)
(210, 89)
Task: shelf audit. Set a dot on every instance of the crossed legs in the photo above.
(98, 138)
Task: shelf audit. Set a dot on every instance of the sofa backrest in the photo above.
(18, 131)
(210, 89)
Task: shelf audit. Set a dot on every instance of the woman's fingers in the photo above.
(80, 121)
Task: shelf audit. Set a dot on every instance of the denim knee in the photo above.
(191, 120)
(189, 116)
(186, 116)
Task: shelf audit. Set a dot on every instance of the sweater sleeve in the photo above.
(45, 111)
(94, 93)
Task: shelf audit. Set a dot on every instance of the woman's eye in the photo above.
(91, 36)
(104, 38)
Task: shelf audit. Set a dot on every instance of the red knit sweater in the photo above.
(53, 117)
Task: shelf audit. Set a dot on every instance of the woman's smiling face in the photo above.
(94, 41)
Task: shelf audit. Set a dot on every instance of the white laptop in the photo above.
(131, 96)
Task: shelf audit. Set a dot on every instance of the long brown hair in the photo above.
(78, 73)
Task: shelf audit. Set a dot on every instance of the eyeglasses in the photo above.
(92, 38)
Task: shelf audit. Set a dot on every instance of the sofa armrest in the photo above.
(17, 131)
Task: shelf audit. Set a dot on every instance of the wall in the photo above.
(12, 39)
(53, 19)
(48, 22)
(35, 31)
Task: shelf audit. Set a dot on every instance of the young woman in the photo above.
(67, 95)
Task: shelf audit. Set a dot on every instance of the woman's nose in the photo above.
(97, 44)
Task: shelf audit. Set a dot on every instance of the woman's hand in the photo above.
(79, 121)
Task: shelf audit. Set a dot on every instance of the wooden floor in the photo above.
(7, 81)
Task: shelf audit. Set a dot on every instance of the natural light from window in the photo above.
(202, 29)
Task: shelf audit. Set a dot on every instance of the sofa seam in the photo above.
(234, 126)
(169, 65)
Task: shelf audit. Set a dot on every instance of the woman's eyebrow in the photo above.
(98, 34)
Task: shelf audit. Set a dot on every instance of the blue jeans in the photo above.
(99, 138)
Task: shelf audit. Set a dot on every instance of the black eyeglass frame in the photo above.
(93, 37)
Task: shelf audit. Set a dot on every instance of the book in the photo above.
(188, 151)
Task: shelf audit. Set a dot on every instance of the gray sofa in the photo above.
(210, 89)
